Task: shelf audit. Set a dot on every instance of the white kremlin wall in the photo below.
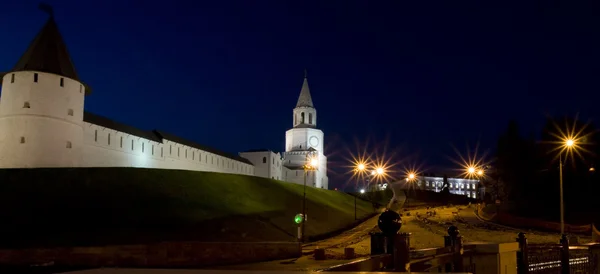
(42, 125)
(105, 147)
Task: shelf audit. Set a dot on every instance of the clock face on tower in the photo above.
(313, 141)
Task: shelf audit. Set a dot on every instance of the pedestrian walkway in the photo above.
(306, 262)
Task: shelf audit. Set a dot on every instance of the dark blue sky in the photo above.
(227, 73)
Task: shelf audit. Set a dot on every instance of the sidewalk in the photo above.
(334, 247)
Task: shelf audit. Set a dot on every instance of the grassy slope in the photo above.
(126, 205)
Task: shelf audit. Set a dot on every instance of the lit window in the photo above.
(69, 144)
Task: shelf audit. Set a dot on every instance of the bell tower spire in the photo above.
(305, 114)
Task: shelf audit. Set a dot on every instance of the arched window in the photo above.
(264, 160)
(302, 116)
(310, 118)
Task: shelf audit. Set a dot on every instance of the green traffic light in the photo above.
(298, 218)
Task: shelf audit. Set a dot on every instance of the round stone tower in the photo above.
(41, 108)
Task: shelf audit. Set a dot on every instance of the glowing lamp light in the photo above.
(361, 167)
(471, 170)
(362, 191)
(373, 172)
(570, 142)
(411, 176)
(480, 172)
(379, 170)
(314, 162)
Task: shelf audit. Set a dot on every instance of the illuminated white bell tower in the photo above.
(304, 139)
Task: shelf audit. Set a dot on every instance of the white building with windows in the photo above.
(458, 186)
(43, 124)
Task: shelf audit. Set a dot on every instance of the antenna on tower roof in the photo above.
(46, 8)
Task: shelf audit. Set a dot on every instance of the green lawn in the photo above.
(88, 206)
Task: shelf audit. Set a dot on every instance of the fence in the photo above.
(560, 258)
(393, 253)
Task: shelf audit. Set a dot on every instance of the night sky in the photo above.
(416, 80)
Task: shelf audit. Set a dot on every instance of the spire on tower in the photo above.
(48, 52)
(305, 100)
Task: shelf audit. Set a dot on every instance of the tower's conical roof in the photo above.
(305, 100)
(48, 53)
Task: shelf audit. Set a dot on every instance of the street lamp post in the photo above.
(310, 164)
(562, 204)
(569, 143)
(359, 170)
(410, 178)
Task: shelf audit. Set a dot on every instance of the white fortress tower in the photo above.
(41, 109)
(303, 139)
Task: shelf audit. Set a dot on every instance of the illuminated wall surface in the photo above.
(43, 125)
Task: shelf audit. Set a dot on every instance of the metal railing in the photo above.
(560, 258)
